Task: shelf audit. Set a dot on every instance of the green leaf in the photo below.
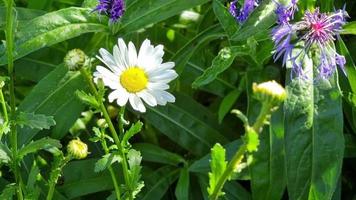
(314, 141)
(187, 123)
(349, 28)
(53, 28)
(154, 153)
(87, 99)
(134, 129)
(106, 161)
(252, 140)
(54, 96)
(43, 143)
(5, 154)
(226, 20)
(154, 11)
(350, 146)
(220, 63)
(134, 160)
(159, 182)
(229, 100)
(218, 165)
(184, 54)
(258, 23)
(182, 188)
(34, 121)
(8, 192)
(22, 15)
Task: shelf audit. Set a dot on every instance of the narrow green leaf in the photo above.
(187, 123)
(134, 159)
(218, 165)
(34, 121)
(349, 28)
(52, 28)
(157, 154)
(5, 154)
(154, 11)
(43, 143)
(182, 188)
(226, 20)
(220, 63)
(314, 142)
(8, 192)
(22, 14)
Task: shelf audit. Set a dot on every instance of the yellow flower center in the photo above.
(134, 79)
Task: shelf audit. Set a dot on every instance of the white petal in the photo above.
(136, 103)
(162, 97)
(168, 96)
(148, 98)
(166, 75)
(132, 53)
(120, 58)
(106, 73)
(144, 49)
(157, 86)
(108, 60)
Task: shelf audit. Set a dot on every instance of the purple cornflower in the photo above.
(114, 9)
(242, 14)
(316, 31)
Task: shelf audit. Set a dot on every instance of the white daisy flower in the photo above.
(134, 77)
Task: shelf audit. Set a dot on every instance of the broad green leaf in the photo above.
(106, 161)
(226, 20)
(154, 153)
(349, 28)
(267, 169)
(220, 63)
(22, 14)
(53, 28)
(43, 143)
(34, 121)
(218, 165)
(182, 188)
(80, 179)
(54, 96)
(87, 99)
(158, 183)
(134, 129)
(187, 123)
(314, 141)
(138, 16)
(184, 54)
(258, 23)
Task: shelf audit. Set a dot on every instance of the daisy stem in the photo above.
(9, 34)
(117, 141)
(265, 113)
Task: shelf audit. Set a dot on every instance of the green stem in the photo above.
(10, 60)
(117, 141)
(257, 126)
(111, 170)
(3, 103)
(55, 175)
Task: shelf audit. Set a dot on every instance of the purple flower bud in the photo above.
(244, 12)
(114, 9)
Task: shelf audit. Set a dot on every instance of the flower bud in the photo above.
(77, 149)
(75, 59)
(269, 92)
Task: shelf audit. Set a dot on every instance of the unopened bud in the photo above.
(77, 149)
(75, 59)
(269, 92)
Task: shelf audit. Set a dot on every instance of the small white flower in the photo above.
(136, 76)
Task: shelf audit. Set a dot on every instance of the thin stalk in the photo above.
(55, 175)
(4, 109)
(9, 34)
(236, 160)
(111, 170)
(117, 141)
